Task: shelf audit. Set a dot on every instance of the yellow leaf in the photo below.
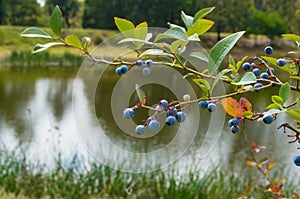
(232, 107)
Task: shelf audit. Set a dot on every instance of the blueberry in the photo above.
(299, 45)
(281, 62)
(268, 119)
(268, 71)
(233, 122)
(140, 129)
(170, 120)
(211, 107)
(149, 62)
(246, 66)
(118, 71)
(139, 63)
(258, 85)
(235, 129)
(256, 71)
(180, 116)
(172, 112)
(154, 125)
(163, 103)
(268, 50)
(264, 75)
(128, 113)
(146, 71)
(297, 160)
(124, 69)
(203, 104)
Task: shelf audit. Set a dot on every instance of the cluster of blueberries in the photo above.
(173, 116)
(146, 67)
(269, 71)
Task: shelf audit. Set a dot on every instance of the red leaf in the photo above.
(232, 107)
(245, 104)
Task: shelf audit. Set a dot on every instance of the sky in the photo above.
(42, 2)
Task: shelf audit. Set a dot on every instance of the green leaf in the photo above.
(200, 55)
(41, 47)
(203, 84)
(247, 114)
(298, 105)
(295, 77)
(175, 33)
(295, 113)
(134, 40)
(248, 78)
(277, 100)
(141, 31)
(56, 21)
(273, 61)
(200, 27)
(155, 52)
(273, 106)
(177, 45)
(35, 32)
(231, 60)
(141, 94)
(187, 20)
(284, 91)
(239, 63)
(221, 49)
(73, 40)
(176, 26)
(219, 76)
(202, 13)
(123, 24)
(194, 37)
(291, 36)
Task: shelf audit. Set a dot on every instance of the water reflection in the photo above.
(37, 116)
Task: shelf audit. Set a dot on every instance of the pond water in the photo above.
(48, 111)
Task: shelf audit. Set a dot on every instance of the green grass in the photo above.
(19, 179)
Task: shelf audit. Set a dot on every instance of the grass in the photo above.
(20, 179)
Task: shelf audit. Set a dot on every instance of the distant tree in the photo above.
(2, 12)
(21, 12)
(70, 9)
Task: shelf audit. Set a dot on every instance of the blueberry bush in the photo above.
(248, 75)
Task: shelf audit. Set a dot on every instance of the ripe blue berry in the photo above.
(124, 69)
(118, 71)
(149, 62)
(268, 50)
(258, 85)
(268, 71)
(139, 63)
(154, 125)
(172, 112)
(128, 113)
(256, 71)
(281, 62)
(170, 120)
(233, 122)
(146, 71)
(246, 66)
(140, 129)
(268, 119)
(264, 75)
(297, 160)
(180, 116)
(235, 129)
(163, 103)
(203, 104)
(211, 107)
